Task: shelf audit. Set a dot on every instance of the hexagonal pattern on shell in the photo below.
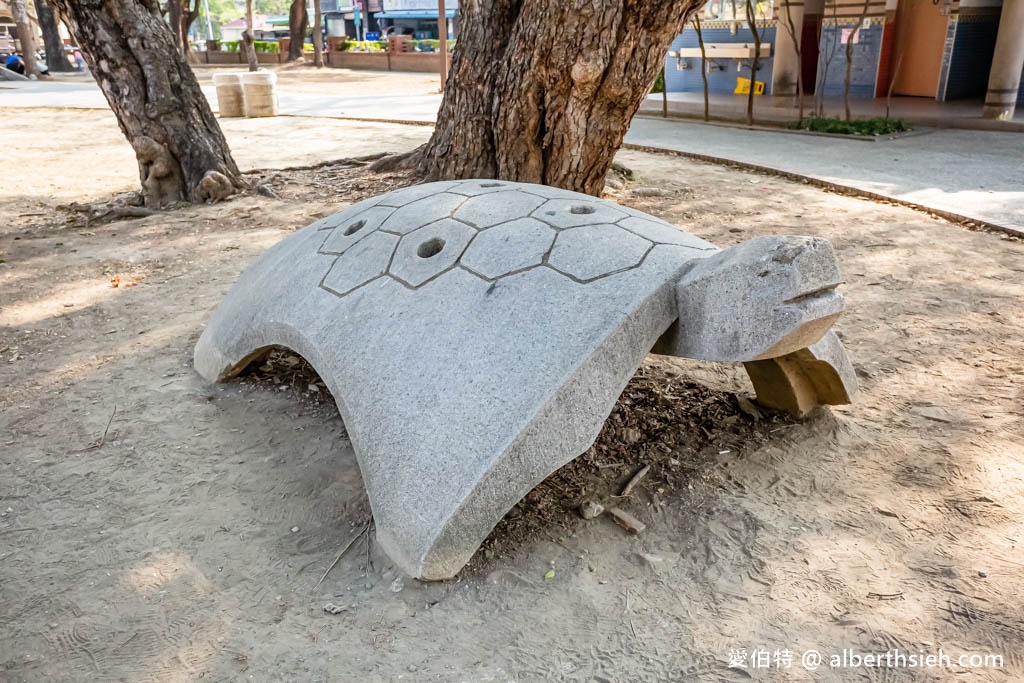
(489, 228)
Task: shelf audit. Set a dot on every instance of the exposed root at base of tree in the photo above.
(407, 161)
(124, 206)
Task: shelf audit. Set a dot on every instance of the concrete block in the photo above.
(470, 362)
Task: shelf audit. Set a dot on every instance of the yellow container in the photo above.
(743, 86)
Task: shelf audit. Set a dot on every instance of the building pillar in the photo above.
(785, 64)
(1007, 63)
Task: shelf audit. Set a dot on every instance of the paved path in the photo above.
(86, 95)
(976, 174)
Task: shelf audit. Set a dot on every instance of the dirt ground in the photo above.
(156, 528)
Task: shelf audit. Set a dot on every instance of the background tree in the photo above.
(150, 87)
(755, 63)
(298, 23)
(318, 35)
(790, 27)
(28, 48)
(543, 92)
(56, 60)
(180, 16)
(850, 42)
(248, 39)
(273, 7)
(829, 54)
(703, 66)
(223, 12)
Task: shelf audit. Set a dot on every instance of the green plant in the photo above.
(431, 45)
(659, 83)
(229, 45)
(268, 46)
(363, 45)
(876, 126)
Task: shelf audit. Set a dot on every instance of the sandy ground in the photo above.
(187, 541)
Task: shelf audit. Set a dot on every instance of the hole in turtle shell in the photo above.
(492, 185)
(354, 228)
(431, 247)
(581, 208)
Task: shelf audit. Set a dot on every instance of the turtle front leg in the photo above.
(799, 382)
(769, 303)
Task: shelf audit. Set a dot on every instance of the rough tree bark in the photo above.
(131, 52)
(318, 35)
(247, 38)
(298, 22)
(27, 45)
(543, 92)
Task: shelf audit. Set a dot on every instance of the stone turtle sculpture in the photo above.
(476, 334)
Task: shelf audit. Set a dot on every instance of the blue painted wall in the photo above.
(719, 81)
(866, 53)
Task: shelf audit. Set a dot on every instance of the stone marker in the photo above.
(230, 94)
(476, 334)
(259, 94)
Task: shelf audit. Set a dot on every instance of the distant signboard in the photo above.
(407, 5)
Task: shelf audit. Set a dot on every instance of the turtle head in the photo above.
(763, 298)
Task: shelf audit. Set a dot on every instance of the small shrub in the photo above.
(229, 46)
(269, 46)
(363, 45)
(876, 126)
(659, 83)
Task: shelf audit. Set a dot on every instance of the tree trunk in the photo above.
(703, 67)
(188, 17)
(298, 22)
(28, 48)
(56, 60)
(247, 38)
(543, 92)
(180, 17)
(318, 35)
(756, 62)
(790, 26)
(849, 59)
(175, 18)
(131, 51)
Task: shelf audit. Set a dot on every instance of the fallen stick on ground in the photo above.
(627, 521)
(337, 559)
(628, 488)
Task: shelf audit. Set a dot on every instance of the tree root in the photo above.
(105, 213)
(407, 161)
(215, 187)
